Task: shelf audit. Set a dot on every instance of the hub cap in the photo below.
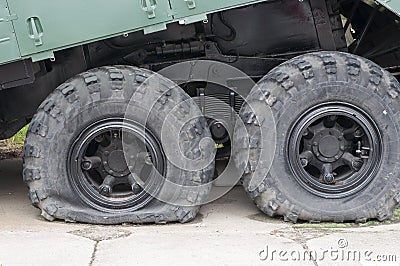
(334, 150)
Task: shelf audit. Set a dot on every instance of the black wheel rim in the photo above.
(98, 168)
(334, 150)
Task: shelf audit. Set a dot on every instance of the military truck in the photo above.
(326, 75)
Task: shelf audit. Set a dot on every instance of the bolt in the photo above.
(315, 144)
(304, 162)
(357, 164)
(147, 160)
(99, 138)
(136, 189)
(329, 178)
(105, 190)
(106, 153)
(340, 138)
(86, 165)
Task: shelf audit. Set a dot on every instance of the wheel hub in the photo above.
(115, 164)
(334, 150)
(100, 170)
(328, 145)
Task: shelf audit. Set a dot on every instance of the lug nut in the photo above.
(357, 165)
(327, 175)
(105, 190)
(86, 166)
(136, 189)
(99, 138)
(329, 178)
(147, 160)
(304, 162)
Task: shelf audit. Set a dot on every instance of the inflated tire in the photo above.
(74, 144)
(331, 109)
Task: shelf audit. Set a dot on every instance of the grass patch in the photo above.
(12, 147)
(18, 139)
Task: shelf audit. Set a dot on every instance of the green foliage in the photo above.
(18, 139)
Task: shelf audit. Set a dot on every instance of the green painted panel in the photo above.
(393, 5)
(49, 25)
(186, 8)
(8, 44)
(45, 26)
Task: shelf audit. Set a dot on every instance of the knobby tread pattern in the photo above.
(116, 83)
(300, 74)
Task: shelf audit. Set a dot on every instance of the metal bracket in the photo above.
(149, 7)
(155, 28)
(191, 4)
(193, 19)
(42, 56)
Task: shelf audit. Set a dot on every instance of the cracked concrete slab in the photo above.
(190, 247)
(358, 247)
(44, 248)
(224, 233)
(229, 231)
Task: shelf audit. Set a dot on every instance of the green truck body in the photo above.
(36, 29)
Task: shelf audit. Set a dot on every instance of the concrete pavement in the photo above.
(230, 231)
